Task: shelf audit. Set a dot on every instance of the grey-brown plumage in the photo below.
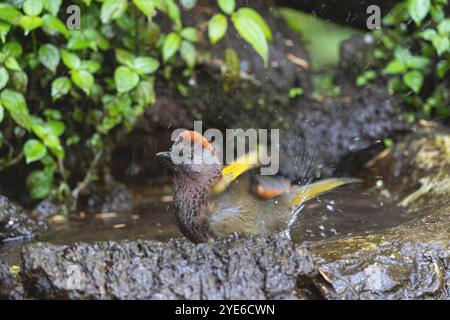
(203, 215)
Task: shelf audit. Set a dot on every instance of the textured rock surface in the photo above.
(324, 135)
(10, 287)
(411, 261)
(15, 223)
(256, 268)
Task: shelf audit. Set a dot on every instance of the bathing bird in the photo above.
(211, 199)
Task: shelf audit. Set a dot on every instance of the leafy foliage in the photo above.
(248, 23)
(415, 56)
(63, 88)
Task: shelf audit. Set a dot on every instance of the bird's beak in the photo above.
(164, 155)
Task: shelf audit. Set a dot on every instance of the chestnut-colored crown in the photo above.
(195, 137)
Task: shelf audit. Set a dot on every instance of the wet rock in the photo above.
(254, 268)
(15, 223)
(113, 198)
(117, 199)
(45, 209)
(10, 286)
(325, 135)
(412, 260)
(406, 262)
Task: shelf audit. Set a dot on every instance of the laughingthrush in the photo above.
(210, 200)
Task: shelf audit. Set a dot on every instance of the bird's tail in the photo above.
(301, 194)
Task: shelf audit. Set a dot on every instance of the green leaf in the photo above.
(294, 92)
(418, 9)
(388, 142)
(441, 44)
(83, 79)
(188, 53)
(252, 33)
(437, 13)
(126, 79)
(34, 150)
(52, 25)
(45, 132)
(428, 34)
(145, 65)
(414, 80)
(4, 29)
(12, 64)
(160, 5)
(227, 6)
(189, 33)
(9, 14)
(70, 60)
(217, 26)
(417, 62)
(79, 41)
(361, 80)
(124, 57)
(4, 77)
(171, 45)
(57, 127)
(232, 63)
(365, 77)
(145, 6)
(13, 49)
(444, 27)
(16, 105)
(72, 140)
(20, 81)
(402, 54)
(60, 87)
(39, 184)
(52, 6)
(30, 23)
(33, 7)
(441, 68)
(49, 56)
(112, 10)
(258, 19)
(145, 93)
(395, 67)
(52, 114)
(174, 13)
(90, 65)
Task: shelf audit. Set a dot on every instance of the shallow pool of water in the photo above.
(349, 210)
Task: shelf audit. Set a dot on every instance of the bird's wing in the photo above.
(228, 216)
(235, 169)
(298, 195)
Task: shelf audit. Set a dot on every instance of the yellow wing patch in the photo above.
(310, 191)
(234, 170)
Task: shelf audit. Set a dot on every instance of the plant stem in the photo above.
(87, 179)
(33, 39)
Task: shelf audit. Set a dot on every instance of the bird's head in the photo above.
(191, 154)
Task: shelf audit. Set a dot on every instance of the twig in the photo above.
(87, 179)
